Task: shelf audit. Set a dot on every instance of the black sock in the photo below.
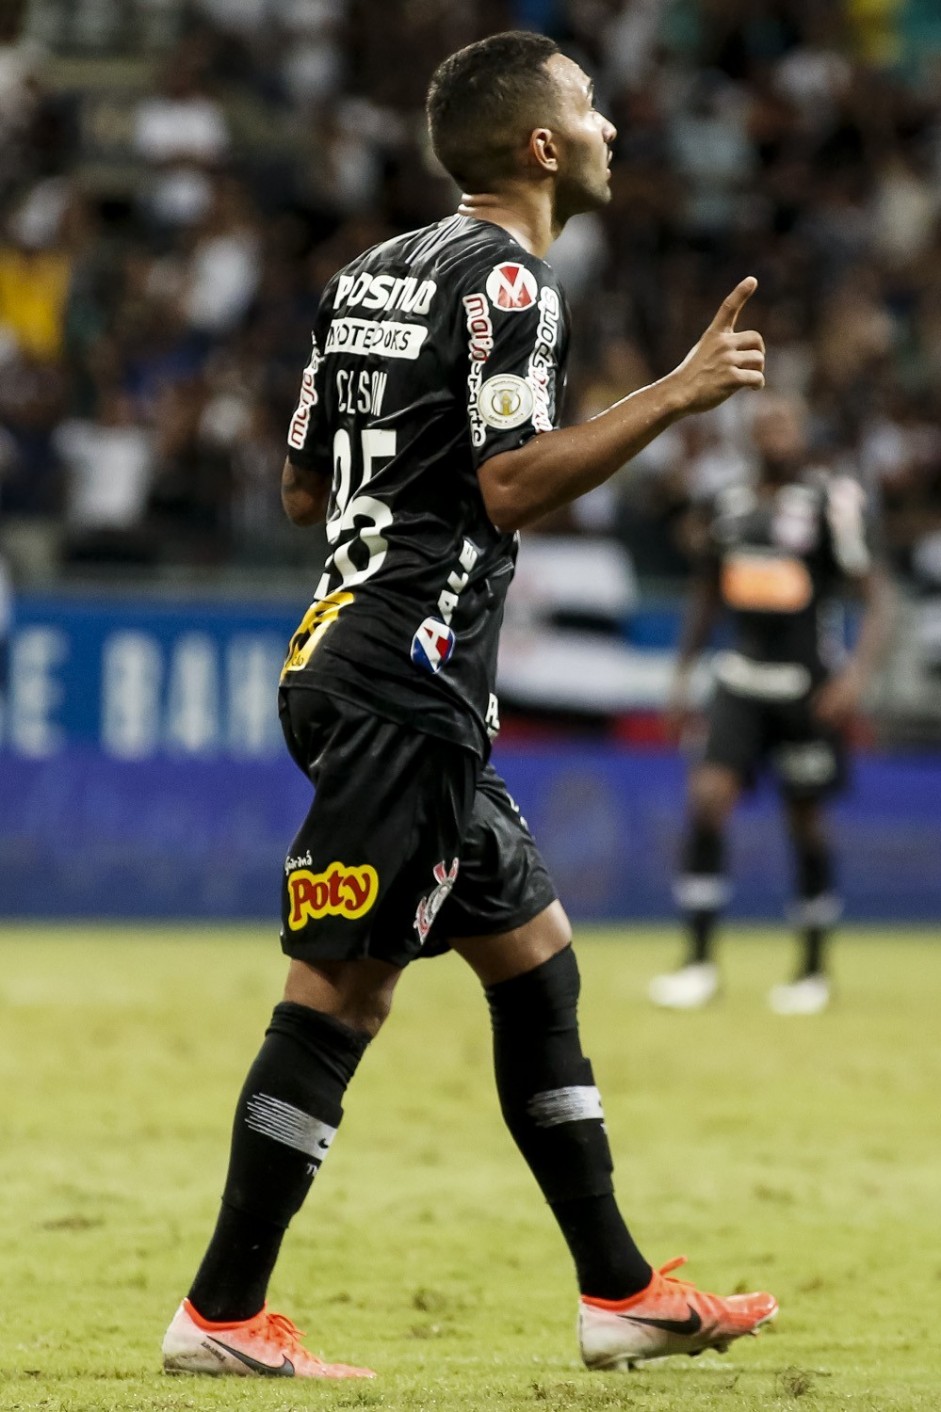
(814, 942)
(553, 1110)
(701, 890)
(286, 1117)
(817, 906)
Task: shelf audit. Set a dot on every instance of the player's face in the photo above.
(780, 439)
(584, 137)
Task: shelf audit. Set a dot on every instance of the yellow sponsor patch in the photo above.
(339, 891)
(762, 583)
(311, 629)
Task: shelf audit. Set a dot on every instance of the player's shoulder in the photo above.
(731, 502)
(836, 486)
(458, 253)
(510, 277)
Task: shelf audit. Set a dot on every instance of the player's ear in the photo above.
(543, 149)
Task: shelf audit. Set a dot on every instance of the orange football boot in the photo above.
(267, 1346)
(669, 1316)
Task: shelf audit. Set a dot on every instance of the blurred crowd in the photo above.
(179, 180)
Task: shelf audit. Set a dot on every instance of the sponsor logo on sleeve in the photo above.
(432, 646)
(541, 373)
(430, 906)
(511, 287)
(297, 432)
(339, 891)
(479, 348)
(505, 401)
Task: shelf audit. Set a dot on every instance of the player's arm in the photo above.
(699, 618)
(849, 531)
(839, 697)
(304, 494)
(556, 467)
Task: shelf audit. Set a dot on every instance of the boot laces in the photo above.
(280, 1329)
(674, 1264)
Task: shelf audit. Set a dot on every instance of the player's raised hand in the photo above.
(724, 360)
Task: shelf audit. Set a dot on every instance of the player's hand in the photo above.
(836, 701)
(678, 713)
(724, 360)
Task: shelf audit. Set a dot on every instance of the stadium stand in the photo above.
(179, 180)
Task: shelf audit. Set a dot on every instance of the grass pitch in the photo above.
(798, 1155)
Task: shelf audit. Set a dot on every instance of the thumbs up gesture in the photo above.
(724, 360)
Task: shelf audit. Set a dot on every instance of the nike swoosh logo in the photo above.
(692, 1325)
(285, 1369)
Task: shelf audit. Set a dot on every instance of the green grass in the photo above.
(797, 1155)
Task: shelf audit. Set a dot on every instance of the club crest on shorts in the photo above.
(505, 401)
(430, 906)
(432, 645)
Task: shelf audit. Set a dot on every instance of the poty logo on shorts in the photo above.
(339, 891)
(511, 287)
(432, 645)
(430, 906)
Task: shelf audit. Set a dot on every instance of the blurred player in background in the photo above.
(776, 555)
(425, 434)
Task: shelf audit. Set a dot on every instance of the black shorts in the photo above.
(409, 841)
(808, 759)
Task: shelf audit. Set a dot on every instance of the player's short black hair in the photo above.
(485, 100)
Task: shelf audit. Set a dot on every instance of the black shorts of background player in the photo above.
(426, 435)
(775, 555)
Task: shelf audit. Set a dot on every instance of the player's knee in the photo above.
(357, 993)
(712, 796)
(543, 998)
(807, 826)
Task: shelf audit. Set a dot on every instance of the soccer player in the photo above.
(426, 434)
(776, 555)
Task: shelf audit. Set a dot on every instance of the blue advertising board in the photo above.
(144, 679)
(142, 774)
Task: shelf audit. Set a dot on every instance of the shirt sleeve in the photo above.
(307, 444)
(514, 332)
(849, 527)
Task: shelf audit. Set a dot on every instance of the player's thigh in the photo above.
(503, 899)
(380, 843)
(732, 754)
(504, 955)
(729, 759)
(810, 759)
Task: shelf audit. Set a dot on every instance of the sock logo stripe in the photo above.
(282, 1122)
(565, 1105)
(701, 892)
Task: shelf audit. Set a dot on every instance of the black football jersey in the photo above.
(431, 352)
(781, 559)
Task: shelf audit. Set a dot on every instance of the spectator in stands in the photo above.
(107, 465)
(223, 267)
(181, 132)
